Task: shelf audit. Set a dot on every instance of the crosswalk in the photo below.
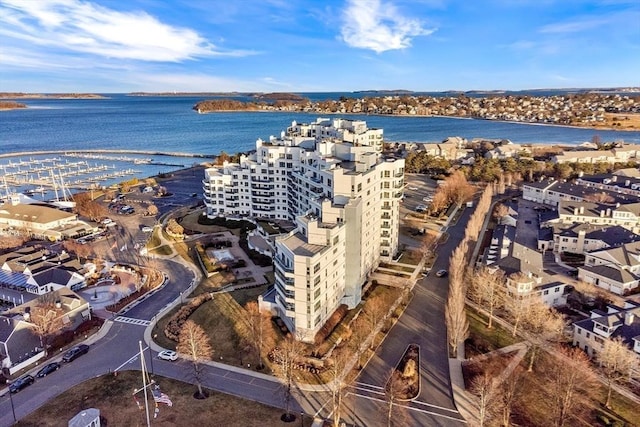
(132, 321)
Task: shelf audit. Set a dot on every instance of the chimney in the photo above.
(629, 317)
(602, 214)
(575, 211)
(627, 183)
(582, 209)
(614, 178)
(608, 211)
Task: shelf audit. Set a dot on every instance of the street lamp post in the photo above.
(13, 411)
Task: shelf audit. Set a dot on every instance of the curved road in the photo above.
(421, 323)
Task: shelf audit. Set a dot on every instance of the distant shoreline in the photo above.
(10, 95)
(114, 151)
(420, 116)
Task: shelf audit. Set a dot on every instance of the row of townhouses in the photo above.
(330, 179)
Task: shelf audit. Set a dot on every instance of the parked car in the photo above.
(147, 229)
(75, 352)
(441, 273)
(21, 383)
(168, 355)
(421, 208)
(47, 369)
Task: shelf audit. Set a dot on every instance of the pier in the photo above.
(52, 173)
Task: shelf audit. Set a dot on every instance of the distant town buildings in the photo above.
(331, 179)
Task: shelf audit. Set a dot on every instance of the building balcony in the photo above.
(259, 193)
(399, 174)
(259, 179)
(385, 234)
(385, 216)
(386, 226)
(387, 207)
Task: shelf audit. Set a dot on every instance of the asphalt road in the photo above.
(422, 323)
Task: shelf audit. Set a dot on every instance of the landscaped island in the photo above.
(593, 110)
(11, 105)
(21, 95)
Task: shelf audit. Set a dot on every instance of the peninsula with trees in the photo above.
(617, 111)
(22, 95)
(11, 105)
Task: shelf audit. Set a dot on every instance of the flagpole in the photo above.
(144, 384)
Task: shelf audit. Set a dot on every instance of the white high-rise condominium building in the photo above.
(331, 178)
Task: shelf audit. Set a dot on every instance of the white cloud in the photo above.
(76, 26)
(379, 26)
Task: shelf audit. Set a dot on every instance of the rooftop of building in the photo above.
(616, 319)
(33, 213)
(625, 255)
(612, 235)
(616, 274)
(298, 245)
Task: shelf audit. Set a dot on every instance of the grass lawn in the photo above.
(484, 339)
(217, 318)
(113, 397)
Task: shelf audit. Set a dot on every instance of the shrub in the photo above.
(331, 324)
(174, 326)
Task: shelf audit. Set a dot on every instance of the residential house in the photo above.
(551, 192)
(507, 151)
(626, 152)
(18, 339)
(580, 238)
(615, 269)
(585, 156)
(627, 216)
(612, 182)
(623, 322)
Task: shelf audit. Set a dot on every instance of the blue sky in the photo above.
(314, 45)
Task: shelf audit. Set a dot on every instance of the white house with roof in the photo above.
(588, 156)
(624, 322)
(614, 269)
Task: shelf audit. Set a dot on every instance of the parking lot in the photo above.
(417, 192)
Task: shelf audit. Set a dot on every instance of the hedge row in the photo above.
(174, 326)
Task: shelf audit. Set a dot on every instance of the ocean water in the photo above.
(155, 125)
(168, 124)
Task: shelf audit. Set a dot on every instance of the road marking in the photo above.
(434, 406)
(368, 385)
(462, 420)
(132, 321)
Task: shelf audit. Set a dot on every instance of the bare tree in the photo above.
(500, 211)
(440, 201)
(617, 363)
(455, 316)
(544, 325)
(488, 288)
(80, 250)
(337, 370)
(88, 207)
(599, 198)
(457, 188)
(501, 184)
(194, 343)
(395, 390)
(12, 241)
(46, 317)
(259, 331)
(570, 380)
(152, 210)
(286, 358)
(508, 394)
(374, 312)
(484, 386)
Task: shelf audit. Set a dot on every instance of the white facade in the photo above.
(331, 178)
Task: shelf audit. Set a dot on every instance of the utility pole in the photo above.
(144, 384)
